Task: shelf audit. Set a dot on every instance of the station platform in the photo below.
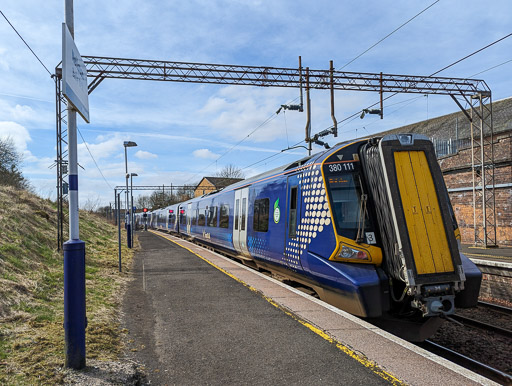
(497, 257)
(196, 317)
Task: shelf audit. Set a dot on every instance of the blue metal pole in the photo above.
(129, 232)
(119, 227)
(75, 320)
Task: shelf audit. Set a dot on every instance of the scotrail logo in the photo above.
(277, 211)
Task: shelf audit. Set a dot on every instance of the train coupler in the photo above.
(436, 300)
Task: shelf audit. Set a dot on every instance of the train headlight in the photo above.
(351, 253)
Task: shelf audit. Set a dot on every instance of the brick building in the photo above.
(211, 184)
(451, 135)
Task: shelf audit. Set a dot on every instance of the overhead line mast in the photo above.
(475, 92)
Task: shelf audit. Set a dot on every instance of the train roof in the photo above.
(289, 166)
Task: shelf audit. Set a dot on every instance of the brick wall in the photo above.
(496, 287)
(458, 175)
(205, 186)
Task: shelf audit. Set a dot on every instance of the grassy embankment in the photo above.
(31, 289)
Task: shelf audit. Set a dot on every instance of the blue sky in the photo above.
(183, 129)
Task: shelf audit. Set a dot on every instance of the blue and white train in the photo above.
(367, 225)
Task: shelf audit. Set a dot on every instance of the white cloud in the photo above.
(141, 154)
(21, 113)
(204, 153)
(16, 132)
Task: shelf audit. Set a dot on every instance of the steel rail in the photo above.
(496, 307)
(485, 326)
(471, 364)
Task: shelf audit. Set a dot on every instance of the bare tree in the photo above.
(143, 201)
(185, 192)
(10, 161)
(92, 204)
(230, 171)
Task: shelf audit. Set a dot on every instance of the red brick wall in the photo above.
(457, 174)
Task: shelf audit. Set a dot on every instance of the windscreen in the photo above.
(349, 208)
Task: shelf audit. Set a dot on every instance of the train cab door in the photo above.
(240, 221)
(292, 248)
(189, 217)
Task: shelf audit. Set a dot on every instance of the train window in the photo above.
(183, 217)
(201, 218)
(224, 216)
(194, 217)
(244, 204)
(260, 217)
(212, 216)
(345, 198)
(292, 220)
(237, 208)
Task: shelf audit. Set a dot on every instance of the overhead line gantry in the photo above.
(474, 92)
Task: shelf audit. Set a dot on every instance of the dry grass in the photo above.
(31, 289)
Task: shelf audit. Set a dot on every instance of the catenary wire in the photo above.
(85, 143)
(386, 98)
(388, 35)
(473, 53)
(491, 68)
(435, 73)
(31, 50)
(269, 119)
(271, 156)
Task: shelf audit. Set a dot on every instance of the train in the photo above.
(367, 225)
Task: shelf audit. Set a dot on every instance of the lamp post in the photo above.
(127, 144)
(131, 203)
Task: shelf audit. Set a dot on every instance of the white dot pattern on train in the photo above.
(316, 217)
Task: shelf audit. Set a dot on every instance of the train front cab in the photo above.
(436, 275)
(342, 254)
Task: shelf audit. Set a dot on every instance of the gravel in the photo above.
(484, 346)
(99, 373)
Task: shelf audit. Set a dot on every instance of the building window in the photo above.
(212, 216)
(224, 216)
(260, 218)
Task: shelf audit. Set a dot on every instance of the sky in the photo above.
(185, 131)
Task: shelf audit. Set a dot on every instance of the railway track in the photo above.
(471, 364)
(496, 307)
(481, 328)
(484, 326)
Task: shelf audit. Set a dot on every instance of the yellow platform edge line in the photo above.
(358, 357)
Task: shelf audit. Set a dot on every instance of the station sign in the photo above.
(74, 75)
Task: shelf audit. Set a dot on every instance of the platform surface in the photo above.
(500, 257)
(195, 317)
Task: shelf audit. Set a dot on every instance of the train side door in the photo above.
(240, 221)
(189, 217)
(178, 218)
(293, 248)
